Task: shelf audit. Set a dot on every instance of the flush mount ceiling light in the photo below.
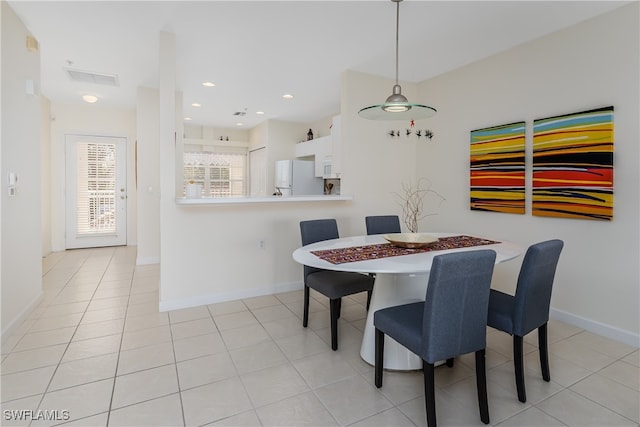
(397, 107)
(90, 98)
(208, 84)
(287, 96)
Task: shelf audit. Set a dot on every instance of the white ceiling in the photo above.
(255, 51)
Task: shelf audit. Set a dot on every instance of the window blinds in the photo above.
(219, 174)
(96, 180)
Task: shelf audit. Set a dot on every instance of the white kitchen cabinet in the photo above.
(332, 164)
(306, 148)
(317, 148)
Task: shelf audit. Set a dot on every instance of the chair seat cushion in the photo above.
(500, 311)
(403, 323)
(337, 284)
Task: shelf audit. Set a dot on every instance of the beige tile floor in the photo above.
(97, 352)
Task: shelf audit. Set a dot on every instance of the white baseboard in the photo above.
(596, 327)
(148, 260)
(169, 305)
(7, 330)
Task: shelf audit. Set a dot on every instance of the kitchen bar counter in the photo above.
(266, 199)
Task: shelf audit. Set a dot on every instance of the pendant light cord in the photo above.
(397, 34)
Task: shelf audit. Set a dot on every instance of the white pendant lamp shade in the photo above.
(397, 107)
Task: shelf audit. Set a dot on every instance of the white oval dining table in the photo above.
(398, 280)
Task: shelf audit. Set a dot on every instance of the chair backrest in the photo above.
(317, 230)
(456, 305)
(382, 224)
(535, 283)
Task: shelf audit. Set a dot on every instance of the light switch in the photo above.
(12, 181)
(30, 88)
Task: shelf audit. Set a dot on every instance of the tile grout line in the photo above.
(55, 371)
(115, 374)
(175, 365)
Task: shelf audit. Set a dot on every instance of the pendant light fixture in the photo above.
(397, 107)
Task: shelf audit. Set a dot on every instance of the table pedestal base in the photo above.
(390, 290)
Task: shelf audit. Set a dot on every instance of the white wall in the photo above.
(148, 176)
(374, 165)
(21, 273)
(587, 66)
(89, 119)
(258, 136)
(45, 170)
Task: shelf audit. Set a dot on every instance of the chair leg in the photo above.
(368, 299)
(519, 368)
(429, 392)
(339, 307)
(450, 362)
(379, 357)
(481, 383)
(334, 312)
(305, 315)
(544, 352)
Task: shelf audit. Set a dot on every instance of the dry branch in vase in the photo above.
(412, 201)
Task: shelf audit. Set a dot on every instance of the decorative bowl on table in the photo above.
(410, 240)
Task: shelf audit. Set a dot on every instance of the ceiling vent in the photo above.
(96, 78)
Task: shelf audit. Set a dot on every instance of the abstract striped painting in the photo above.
(573, 165)
(497, 169)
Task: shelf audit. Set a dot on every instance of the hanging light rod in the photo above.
(397, 107)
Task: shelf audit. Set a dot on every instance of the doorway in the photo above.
(96, 193)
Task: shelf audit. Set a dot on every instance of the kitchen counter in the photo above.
(265, 199)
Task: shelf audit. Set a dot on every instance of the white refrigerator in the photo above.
(297, 178)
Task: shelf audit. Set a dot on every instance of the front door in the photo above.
(96, 194)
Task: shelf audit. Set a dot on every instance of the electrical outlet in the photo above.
(262, 244)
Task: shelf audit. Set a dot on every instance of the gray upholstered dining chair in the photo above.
(528, 309)
(382, 224)
(332, 284)
(450, 322)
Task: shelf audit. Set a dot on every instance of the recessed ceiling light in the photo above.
(208, 84)
(90, 98)
(188, 118)
(287, 96)
(239, 124)
(195, 104)
(260, 112)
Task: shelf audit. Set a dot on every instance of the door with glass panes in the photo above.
(96, 193)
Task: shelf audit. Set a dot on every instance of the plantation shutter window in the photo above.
(220, 174)
(96, 189)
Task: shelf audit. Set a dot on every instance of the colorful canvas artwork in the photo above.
(573, 165)
(497, 169)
